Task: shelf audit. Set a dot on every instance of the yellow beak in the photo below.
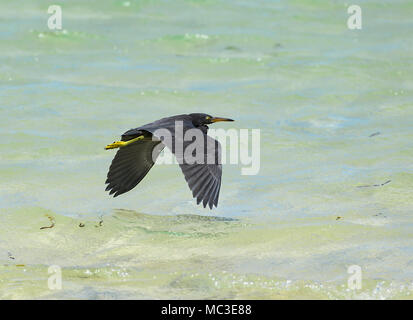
(216, 119)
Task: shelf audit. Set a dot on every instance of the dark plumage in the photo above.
(139, 148)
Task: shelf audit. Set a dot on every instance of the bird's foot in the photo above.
(120, 144)
(114, 145)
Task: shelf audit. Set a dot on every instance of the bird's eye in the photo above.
(207, 117)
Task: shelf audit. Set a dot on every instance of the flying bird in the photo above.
(140, 147)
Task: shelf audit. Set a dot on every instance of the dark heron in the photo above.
(140, 147)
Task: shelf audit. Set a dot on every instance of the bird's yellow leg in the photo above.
(120, 144)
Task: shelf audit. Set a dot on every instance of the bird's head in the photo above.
(201, 119)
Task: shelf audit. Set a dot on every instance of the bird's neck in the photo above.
(204, 128)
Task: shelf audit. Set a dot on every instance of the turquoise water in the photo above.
(335, 110)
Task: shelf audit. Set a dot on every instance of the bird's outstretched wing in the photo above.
(203, 177)
(130, 165)
(204, 180)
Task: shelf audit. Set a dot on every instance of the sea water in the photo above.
(334, 107)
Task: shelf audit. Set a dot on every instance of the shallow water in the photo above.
(334, 107)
